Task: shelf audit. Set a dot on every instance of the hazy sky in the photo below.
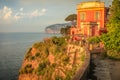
(35, 15)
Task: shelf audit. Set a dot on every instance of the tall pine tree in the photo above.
(112, 38)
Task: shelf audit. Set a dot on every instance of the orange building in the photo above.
(91, 18)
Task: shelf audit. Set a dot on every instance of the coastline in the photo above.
(69, 53)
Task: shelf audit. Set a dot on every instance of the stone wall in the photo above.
(84, 69)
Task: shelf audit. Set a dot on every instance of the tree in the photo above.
(111, 40)
(72, 18)
(114, 12)
(65, 31)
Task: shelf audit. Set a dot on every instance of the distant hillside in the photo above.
(55, 28)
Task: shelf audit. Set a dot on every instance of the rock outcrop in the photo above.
(53, 59)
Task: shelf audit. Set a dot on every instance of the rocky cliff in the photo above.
(53, 59)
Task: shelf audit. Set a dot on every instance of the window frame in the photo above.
(97, 15)
(82, 16)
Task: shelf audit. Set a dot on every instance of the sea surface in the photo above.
(13, 47)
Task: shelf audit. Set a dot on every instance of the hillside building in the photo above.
(91, 19)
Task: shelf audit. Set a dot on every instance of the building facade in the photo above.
(91, 19)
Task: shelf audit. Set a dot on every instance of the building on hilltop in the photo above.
(91, 18)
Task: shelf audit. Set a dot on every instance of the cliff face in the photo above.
(52, 59)
(55, 28)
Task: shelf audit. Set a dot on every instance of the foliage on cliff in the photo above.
(51, 59)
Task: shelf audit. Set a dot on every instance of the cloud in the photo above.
(17, 17)
(6, 13)
(21, 9)
(43, 10)
(37, 13)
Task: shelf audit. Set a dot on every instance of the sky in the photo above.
(35, 15)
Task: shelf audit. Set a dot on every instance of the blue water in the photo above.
(12, 50)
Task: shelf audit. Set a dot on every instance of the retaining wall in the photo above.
(81, 74)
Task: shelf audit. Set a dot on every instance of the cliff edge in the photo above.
(53, 59)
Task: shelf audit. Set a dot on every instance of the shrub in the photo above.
(29, 50)
(41, 66)
(113, 55)
(28, 66)
(27, 69)
(42, 72)
(22, 71)
(30, 70)
(27, 56)
(94, 40)
(82, 57)
(58, 78)
(69, 75)
(47, 51)
(66, 59)
(37, 54)
(32, 58)
(59, 41)
(54, 65)
(39, 45)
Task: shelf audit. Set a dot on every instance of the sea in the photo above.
(13, 47)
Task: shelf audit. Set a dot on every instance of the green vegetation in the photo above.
(27, 69)
(59, 41)
(65, 31)
(94, 40)
(50, 59)
(58, 78)
(111, 40)
(41, 68)
(37, 55)
(65, 60)
(82, 57)
(72, 18)
(32, 58)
